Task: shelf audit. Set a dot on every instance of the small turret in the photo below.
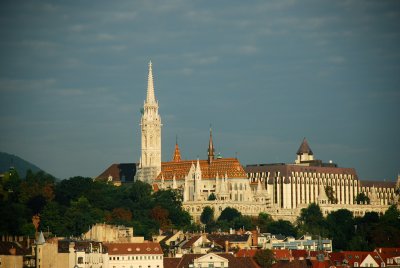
(304, 153)
(211, 149)
(177, 154)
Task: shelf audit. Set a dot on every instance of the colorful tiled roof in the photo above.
(229, 166)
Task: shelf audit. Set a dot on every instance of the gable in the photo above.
(368, 260)
(210, 258)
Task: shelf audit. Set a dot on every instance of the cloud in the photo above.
(26, 85)
(336, 59)
(248, 49)
(105, 37)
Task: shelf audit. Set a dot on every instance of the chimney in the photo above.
(254, 238)
(226, 246)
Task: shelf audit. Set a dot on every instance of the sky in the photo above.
(264, 74)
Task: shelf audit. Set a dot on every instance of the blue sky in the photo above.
(265, 74)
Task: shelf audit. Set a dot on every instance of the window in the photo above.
(356, 264)
(80, 260)
(211, 265)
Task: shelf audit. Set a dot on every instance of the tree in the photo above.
(264, 220)
(341, 228)
(361, 198)
(52, 219)
(229, 214)
(245, 222)
(207, 216)
(283, 227)
(265, 258)
(212, 197)
(80, 215)
(311, 220)
(161, 216)
(330, 194)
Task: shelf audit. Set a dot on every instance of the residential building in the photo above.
(135, 255)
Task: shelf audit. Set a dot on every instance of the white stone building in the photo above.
(135, 255)
(150, 160)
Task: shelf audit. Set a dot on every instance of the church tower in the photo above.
(150, 160)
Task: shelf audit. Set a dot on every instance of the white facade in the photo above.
(135, 255)
(211, 260)
(150, 160)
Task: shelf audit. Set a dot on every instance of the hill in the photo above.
(21, 165)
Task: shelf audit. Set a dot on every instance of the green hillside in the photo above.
(21, 165)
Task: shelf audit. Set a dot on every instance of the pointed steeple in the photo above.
(210, 148)
(304, 153)
(41, 240)
(177, 154)
(150, 86)
(304, 148)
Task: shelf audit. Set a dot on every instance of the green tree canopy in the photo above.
(265, 258)
(229, 214)
(311, 220)
(207, 216)
(361, 198)
(342, 228)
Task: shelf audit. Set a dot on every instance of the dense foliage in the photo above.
(69, 207)
(265, 258)
(346, 231)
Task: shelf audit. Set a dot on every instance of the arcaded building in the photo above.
(297, 185)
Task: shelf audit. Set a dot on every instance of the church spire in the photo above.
(210, 148)
(177, 154)
(150, 86)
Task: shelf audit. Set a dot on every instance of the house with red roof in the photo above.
(144, 255)
(391, 256)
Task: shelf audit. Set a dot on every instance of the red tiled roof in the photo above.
(388, 253)
(282, 254)
(246, 252)
(190, 242)
(222, 166)
(134, 248)
(321, 264)
(171, 262)
(354, 256)
(292, 264)
(299, 253)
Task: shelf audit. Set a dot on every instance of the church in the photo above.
(281, 190)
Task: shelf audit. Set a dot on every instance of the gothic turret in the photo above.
(177, 154)
(304, 153)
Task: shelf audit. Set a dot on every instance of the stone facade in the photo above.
(150, 160)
